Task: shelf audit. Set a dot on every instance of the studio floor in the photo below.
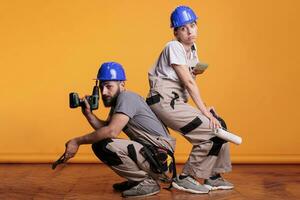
(94, 181)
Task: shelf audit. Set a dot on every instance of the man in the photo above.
(171, 82)
(130, 113)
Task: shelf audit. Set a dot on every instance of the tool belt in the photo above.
(156, 98)
(153, 99)
(159, 160)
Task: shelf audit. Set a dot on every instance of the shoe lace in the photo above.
(221, 179)
(194, 181)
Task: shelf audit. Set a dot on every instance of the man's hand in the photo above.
(86, 110)
(71, 149)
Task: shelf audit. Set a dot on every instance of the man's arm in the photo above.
(93, 120)
(112, 130)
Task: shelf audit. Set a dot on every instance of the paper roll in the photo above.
(230, 137)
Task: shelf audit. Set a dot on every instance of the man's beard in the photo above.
(111, 101)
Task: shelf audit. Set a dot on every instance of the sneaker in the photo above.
(145, 188)
(189, 184)
(126, 185)
(218, 184)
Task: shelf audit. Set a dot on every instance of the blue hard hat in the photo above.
(111, 71)
(181, 16)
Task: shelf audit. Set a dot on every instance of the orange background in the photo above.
(51, 48)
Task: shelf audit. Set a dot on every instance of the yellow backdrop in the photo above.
(51, 48)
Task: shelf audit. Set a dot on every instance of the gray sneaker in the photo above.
(145, 188)
(189, 184)
(126, 185)
(218, 184)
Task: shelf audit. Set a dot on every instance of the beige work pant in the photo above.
(207, 158)
(116, 154)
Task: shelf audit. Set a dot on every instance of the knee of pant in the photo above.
(225, 146)
(104, 154)
(192, 125)
(98, 146)
(216, 147)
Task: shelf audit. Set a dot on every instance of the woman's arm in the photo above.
(192, 88)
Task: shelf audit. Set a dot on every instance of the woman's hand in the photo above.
(212, 109)
(199, 68)
(197, 71)
(213, 122)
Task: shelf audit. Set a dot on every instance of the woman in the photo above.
(171, 82)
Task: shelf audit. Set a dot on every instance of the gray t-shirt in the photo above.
(139, 113)
(173, 53)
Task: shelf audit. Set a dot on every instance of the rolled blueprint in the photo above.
(230, 137)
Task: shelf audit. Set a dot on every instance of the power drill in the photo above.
(93, 100)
